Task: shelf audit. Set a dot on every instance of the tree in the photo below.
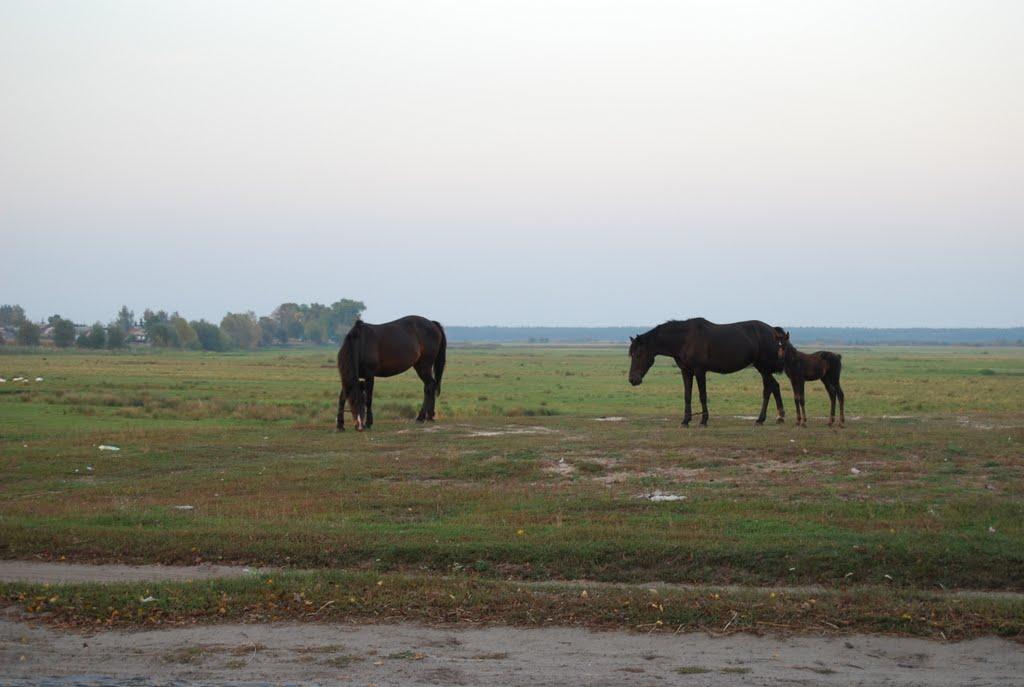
(289, 316)
(96, 337)
(11, 315)
(268, 331)
(314, 332)
(163, 335)
(210, 337)
(241, 329)
(187, 337)
(63, 332)
(28, 333)
(125, 319)
(344, 314)
(116, 337)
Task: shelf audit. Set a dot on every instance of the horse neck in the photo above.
(667, 342)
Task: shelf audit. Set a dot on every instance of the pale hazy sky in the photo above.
(550, 162)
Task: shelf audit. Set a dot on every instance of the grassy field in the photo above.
(524, 478)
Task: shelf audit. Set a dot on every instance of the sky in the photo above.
(552, 163)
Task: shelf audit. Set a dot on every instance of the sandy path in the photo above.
(55, 573)
(412, 654)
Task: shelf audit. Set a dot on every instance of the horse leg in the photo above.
(426, 373)
(368, 390)
(702, 390)
(766, 392)
(687, 396)
(842, 404)
(777, 392)
(341, 410)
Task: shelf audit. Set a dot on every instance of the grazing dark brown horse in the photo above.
(699, 347)
(807, 367)
(385, 350)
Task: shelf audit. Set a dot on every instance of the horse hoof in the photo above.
(780, 421)
(759, 422)
(340, 429)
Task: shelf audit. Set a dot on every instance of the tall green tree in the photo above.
(241, 329)
(28, 333)
(269, 331)
(187, 337)
(63, 332)
(96, 337)
(125, 319)
(116, 337)
(11, 315)
(163, 335)
(211, 338)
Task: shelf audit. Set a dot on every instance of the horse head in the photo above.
(642, 357)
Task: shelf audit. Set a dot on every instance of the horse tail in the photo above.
(440, 358)
(350, 348)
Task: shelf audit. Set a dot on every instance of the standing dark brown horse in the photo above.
(699, 347)
(385, 350)
(807, 367)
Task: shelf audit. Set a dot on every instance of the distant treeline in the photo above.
(848, 336)
(314, 323)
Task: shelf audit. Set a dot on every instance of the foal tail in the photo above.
(439, 359)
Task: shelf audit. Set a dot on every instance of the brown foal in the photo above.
(808, 367)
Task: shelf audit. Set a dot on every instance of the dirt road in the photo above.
(407, 654)
(55, 573)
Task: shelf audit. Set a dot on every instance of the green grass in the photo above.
(365, 596)
(518, 479)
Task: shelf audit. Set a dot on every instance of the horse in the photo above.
(699, 346)
(385, 350)
(807, 367)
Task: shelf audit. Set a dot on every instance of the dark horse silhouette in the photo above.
(807, 367)
(385, 350)
(699, 347)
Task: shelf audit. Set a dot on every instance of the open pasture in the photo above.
(544, 465)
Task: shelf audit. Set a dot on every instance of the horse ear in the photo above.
(632, 339)
(787, 336)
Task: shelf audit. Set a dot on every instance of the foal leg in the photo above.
(427, 375)
(702, 390)
(796, 398)
(341, 410)
(687, 396)
(832, 402)
(368, 390)
(801, 402)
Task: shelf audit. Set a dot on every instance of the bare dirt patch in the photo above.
(278, 653)
(57, 573)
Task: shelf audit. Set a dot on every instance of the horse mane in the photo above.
(674, 326)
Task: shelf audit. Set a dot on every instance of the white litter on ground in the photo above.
(658, 495)
(855, 471)
(147, 599)
(610, 418)
(184, 507)
(39, 379)
(106, 447)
